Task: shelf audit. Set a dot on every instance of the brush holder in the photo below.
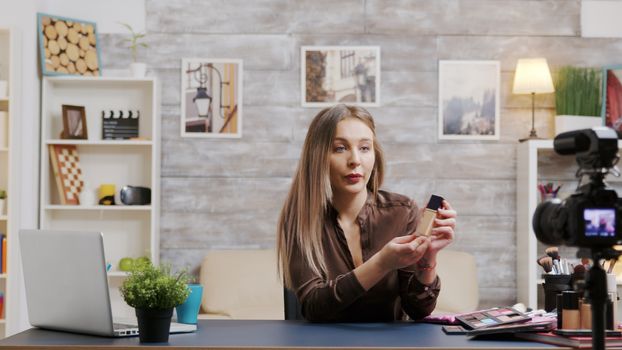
(553, 285)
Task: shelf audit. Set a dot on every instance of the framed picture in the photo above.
(211, 97)
(611, 110)
(74, 123)
(468, 100)
(68, 46)
(340, 74)
(67, 173)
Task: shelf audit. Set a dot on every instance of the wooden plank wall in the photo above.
(220, 194)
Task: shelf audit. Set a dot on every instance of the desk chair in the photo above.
(459, 286)
(241, 284)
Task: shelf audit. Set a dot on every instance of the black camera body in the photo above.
(592, 216)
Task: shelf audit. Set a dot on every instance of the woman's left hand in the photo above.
(443, 228)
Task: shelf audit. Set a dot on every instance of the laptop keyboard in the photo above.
(118, 326)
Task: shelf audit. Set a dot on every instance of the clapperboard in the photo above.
(120, 124)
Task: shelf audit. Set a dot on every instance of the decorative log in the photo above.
(64, 60)
(91, 59)
(61, 28)
(50, 32)
(55, 61)
(92, 40)
(81, 66)
(46, 20)
(53, 46)
(72, 35)
(82, 53)
(84, 43)
(71, 67)
(73, 52)
(47, 53)
(62, 43)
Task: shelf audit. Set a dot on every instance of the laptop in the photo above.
(67, 286)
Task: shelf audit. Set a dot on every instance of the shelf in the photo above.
(99, 207)
(3, 218)
(99, 142)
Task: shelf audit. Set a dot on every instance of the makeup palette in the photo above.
(492, 317)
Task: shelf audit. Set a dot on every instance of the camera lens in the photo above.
(544, 222)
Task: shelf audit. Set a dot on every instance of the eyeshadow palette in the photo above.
(492, 317)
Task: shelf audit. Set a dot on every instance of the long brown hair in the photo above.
(304, 212)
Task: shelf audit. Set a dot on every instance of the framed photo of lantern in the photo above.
(68, 46)
(211, 97)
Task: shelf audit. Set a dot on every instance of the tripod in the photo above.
(596, 292)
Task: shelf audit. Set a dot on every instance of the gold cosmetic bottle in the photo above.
(429, 214)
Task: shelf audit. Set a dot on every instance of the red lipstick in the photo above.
(354, 178)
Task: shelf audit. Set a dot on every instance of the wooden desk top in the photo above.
(247, 334)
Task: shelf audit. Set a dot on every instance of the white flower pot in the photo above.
(4, 89)
(565, 123)
(138, 69)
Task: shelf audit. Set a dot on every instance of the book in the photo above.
(575, 342)
(514, 328)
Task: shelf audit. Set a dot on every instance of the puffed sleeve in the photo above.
(418, 299)
(322, 299)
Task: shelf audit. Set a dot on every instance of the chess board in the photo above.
(66, 166)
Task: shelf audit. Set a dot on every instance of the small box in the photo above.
(120, 125)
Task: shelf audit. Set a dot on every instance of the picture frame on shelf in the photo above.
(340, 74)
(468, 100)
(74, 123)
(611, 109)
(68, 46)
(67, 173)
(211, 97)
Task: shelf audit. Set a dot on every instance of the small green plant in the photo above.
(2, 194)
(152, 287)
(577, 91)
(134, 41)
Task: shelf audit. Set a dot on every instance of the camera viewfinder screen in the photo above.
(600, 222)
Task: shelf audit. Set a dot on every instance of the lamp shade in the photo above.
(532, 76)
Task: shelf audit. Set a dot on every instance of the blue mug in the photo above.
(189, 310)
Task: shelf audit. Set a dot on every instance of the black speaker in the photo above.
(135, 195)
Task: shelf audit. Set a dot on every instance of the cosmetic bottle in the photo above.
(586, 314)
(570, 310)
(560, 304)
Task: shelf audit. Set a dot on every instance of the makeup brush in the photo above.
(578, 273)
(553, 252)
(546, 262)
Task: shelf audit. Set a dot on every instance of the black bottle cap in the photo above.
(435, 202)
(570, 300)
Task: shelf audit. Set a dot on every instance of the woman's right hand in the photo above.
(403, 251)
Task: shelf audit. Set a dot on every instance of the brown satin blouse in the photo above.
(339, 297)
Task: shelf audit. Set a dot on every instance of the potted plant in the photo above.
(153, 292)
(2, 201)
(577, 98)
(138, 69)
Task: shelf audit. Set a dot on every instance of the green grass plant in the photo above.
(577, 91)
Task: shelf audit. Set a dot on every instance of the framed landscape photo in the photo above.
(74, 123)
(468, 100)
(340, 74)
(611, 110)
(68, 46)
(211, 97)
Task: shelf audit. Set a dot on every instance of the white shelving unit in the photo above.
(129, 231)
(7, 158)
(532, 157)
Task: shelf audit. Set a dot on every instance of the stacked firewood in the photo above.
(70, 46)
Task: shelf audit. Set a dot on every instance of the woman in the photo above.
(345, 247)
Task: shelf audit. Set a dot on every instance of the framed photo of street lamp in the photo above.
(340, 74)
(468, 100)
(211, 97)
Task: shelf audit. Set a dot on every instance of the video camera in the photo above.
(592, 216)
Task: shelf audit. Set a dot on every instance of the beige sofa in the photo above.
(244, 284)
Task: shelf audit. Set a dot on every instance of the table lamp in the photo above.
(532, 77)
